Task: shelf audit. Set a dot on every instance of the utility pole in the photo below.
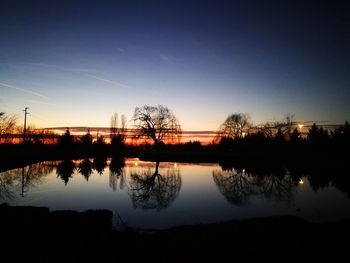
(25, 123)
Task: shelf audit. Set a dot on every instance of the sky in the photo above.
(75, 63)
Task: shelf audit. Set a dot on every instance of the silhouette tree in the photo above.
(117, 133)
(235, 126)
(66, 140)
(85, 168)
(318, 136)
(342, 135)
(86, 139)
(295, 136)
(7, 126)
(153, 190)
(116, 173)
(156, 123)
(65, 170)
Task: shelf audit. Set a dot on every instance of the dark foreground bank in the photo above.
(36, 233)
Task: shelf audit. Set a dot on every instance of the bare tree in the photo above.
(235, 125)
(7, 126)
(157, 123)
(114, 125)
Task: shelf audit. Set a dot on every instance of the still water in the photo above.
(161, 195)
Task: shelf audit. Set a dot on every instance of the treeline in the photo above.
(160, 131)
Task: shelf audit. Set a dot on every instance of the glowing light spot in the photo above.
(136, 164)
(301, 181)
(175, 165)
(300, 126)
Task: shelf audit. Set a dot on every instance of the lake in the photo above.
(166, 194)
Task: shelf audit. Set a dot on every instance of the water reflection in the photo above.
(238, 184)
(85, 168)
(117, 174)
(151, 190)
(100, 163)
(21, 180)
(147, 194)
(65, 170)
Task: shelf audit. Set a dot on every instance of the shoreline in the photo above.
(277, 234)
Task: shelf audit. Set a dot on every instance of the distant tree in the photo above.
(318, 135)
(114, 124)
(156, 123)
(286, 125)
(117, 133)
(7, 126)
(295, 136)
(235, 125)
(86, 139)
(66, 139)
(342, 134)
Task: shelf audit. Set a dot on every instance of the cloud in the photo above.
(167, 58)
(107, 80)
(23, 90)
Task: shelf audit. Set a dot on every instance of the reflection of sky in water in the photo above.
(184, 193)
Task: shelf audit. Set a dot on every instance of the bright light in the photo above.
(300, 126)
(136, 164)
(301, 181)
(175, 165)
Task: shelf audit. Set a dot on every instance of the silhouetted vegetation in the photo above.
(235, 126)
(156, 123)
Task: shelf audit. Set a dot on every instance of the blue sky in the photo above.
(74, 63)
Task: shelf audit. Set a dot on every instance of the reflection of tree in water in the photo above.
(117, 173)
(100, 164)
(327, 175)
(237, 185)
(65, 170)
(20, 180)
(7, 185)
(234, 184)
(276, 186)
(85, 168)
(153, 190)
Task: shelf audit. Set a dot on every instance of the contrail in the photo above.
(41, 102)
(24, 90)
(107, 80)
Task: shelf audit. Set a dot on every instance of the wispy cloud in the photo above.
(23, 90)
(51, 66)
(107, 80)
(167, 58)
(41, 102)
